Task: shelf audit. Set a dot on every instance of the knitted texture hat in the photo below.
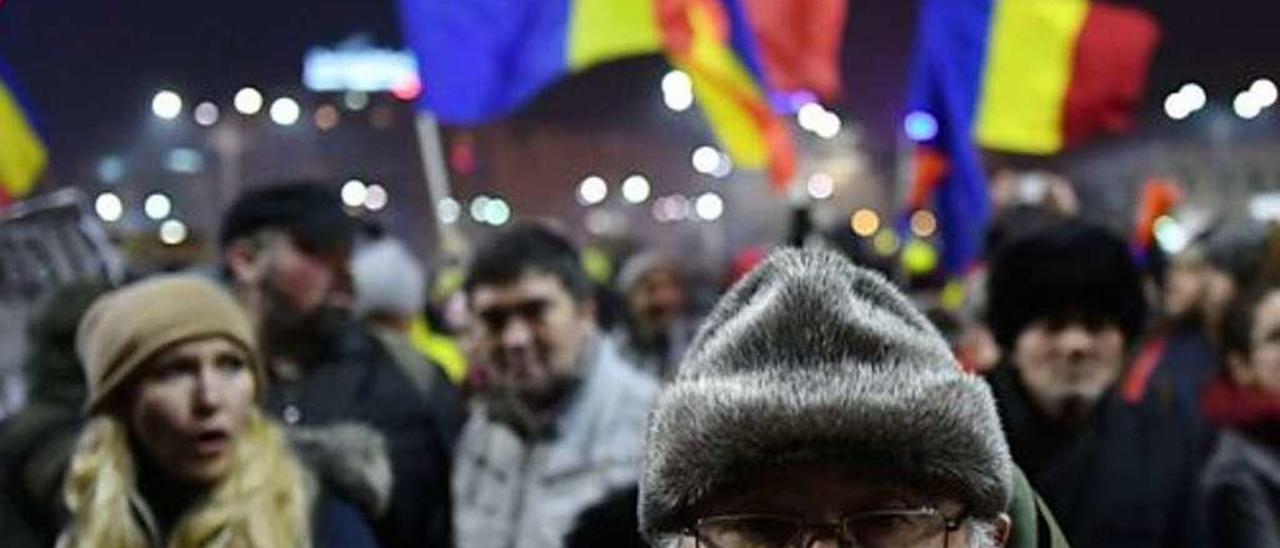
(388, 280)
(811, 360)
(128, 326)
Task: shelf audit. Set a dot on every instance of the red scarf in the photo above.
(1228, 404)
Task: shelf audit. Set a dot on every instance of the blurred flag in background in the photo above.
(1019, 76)
(23, 155)
(481, 60)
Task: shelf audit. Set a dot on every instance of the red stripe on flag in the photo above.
(931, 166)
(782, 155)
(800, 43)
(1113, 56)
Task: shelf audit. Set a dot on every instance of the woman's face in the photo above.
(190, 406)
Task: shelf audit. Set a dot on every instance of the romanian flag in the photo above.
(482, 59)
(23, 155)
(1019, 76)
(800, 43)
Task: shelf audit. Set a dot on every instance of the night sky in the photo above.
(91, 67)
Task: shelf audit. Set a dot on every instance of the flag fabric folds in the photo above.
(1019, 76)
(481, 60)
(23, 155)
(800, 43)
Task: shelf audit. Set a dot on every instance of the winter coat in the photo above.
(335, 523)
(511, 492)
(443, 397)
(37, 442)
(359, 383)
(1122, 480)
(1242, 489)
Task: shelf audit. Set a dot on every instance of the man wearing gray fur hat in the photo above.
(817, 407)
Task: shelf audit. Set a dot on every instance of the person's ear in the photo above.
(1004, 529)
(1241, 373)
(244, 262)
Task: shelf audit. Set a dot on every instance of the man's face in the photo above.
(1067, 367)
(532, 334)
(300, 297)
(1184, 290)
(657, 300)
(826, 495)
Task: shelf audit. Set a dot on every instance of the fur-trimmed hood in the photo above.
(811, 359)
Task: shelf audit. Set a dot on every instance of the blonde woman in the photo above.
(175, 453)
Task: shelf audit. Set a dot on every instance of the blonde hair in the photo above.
(263, 501)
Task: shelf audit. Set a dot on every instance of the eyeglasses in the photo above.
(907, 528)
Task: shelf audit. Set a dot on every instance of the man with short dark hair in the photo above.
(354, 417)
(1066, 305)
(561, 422)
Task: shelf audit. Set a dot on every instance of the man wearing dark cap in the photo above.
(285, 252)
(817, 407)
(1066, 306)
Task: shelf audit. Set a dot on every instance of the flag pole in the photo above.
(431, 150)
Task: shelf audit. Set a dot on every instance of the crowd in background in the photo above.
(315, 387)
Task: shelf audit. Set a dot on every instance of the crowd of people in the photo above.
(297, 393)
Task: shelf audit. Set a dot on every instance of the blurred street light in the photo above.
(828, 126)
(1246, 105)
(206, 114)
(326, 117)
(669, 209)
(706, 159)
(157, 206)
(354, 193)
(375, 198)
(677, 91)
(724, 167)
(820, 186)
(1189, 99)
(248, 101)
(285, 111)
(355, 100)
(810, 116)
(497, 212)
(709, 206)
(480, 208)
(636, 189)
(920, 126)
(109, 207)
(924, 224)
(1264, 92)
(865, 222)
(448, 210)
(166, 105)
(173, 232)
(592, 190)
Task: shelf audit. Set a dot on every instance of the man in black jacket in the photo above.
(353, 415)
(1066, 305)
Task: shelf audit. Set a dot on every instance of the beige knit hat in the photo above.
(126, 327)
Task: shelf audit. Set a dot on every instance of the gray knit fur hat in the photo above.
(810, 359)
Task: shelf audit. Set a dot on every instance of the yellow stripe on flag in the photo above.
(1029, 64)
(726, 92)
(22, 154)
(604, 30)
